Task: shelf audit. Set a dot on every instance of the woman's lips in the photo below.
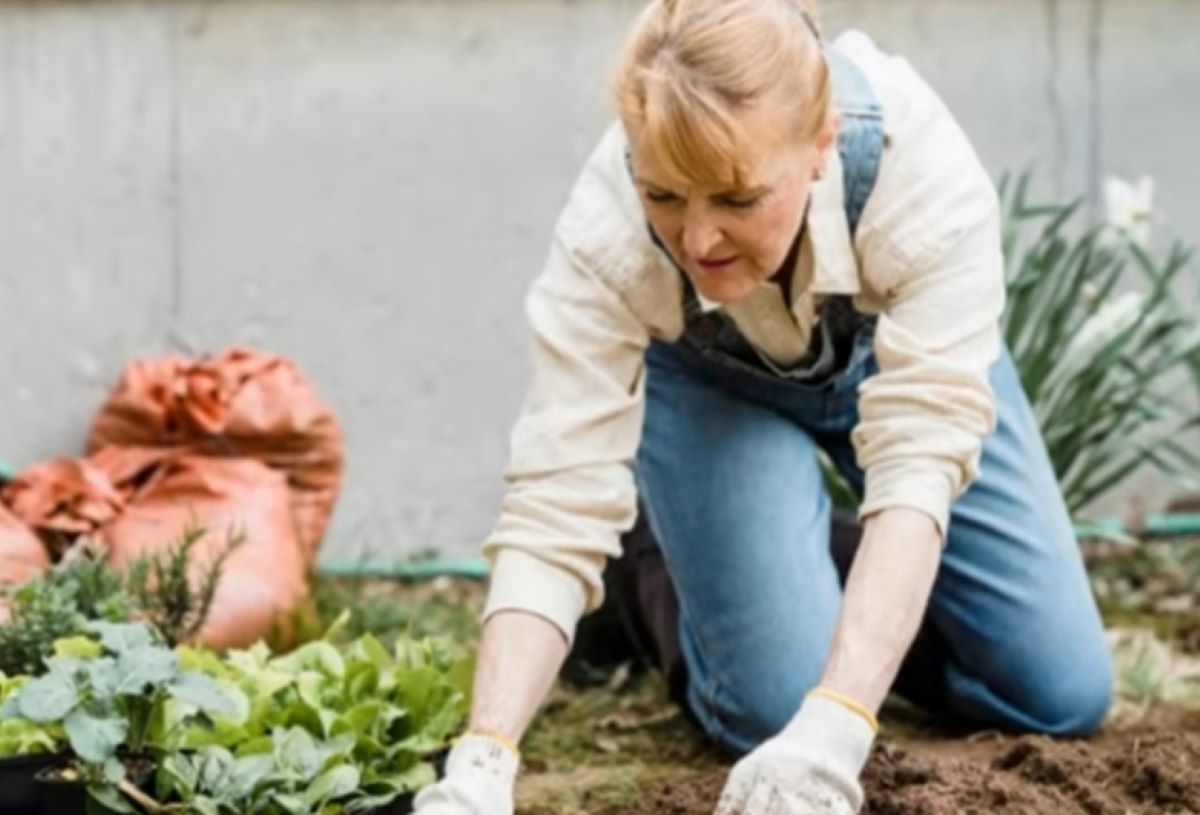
(717, 264)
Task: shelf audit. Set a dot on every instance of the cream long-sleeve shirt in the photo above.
(926, 259)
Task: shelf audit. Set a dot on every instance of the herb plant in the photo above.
(164, 588)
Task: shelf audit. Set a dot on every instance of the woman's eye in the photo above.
(662, 197)
(742, 203)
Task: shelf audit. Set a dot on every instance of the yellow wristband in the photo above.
(495, 735)
(848, 703)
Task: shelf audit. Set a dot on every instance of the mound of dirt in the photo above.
(1150, 773)
(1131, 773)
(690, 798)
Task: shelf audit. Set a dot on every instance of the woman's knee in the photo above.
(1065, 693)
(1073, 702)
(751, 703)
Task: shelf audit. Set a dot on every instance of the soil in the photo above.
(1146, 773)
(1134, 772)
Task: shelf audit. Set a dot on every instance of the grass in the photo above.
(599, 747)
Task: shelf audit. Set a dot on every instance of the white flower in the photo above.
(1114, 317)
(1129, 209)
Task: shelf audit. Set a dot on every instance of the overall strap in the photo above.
(861, 139)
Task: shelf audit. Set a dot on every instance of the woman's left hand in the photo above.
(811, 768)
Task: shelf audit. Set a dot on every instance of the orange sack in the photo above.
(64, 498)
(242, 403)
(137, 500)
(264, 579)
(21, 553)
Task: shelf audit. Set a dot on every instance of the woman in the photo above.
(783, 247)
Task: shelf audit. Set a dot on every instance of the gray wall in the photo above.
(368, 186)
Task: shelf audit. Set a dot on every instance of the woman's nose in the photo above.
(700, 237)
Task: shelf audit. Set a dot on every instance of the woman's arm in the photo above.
(883, 605)
(519, 658)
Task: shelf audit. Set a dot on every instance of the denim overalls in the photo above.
(729, 483)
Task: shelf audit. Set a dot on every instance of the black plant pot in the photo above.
(19, 793)
(61, 794)
(66, 796)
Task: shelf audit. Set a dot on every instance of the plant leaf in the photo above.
(213, 770)
(317, 656)
(292, 804)
(371, 803)
(109, 798)
(19, 737)
(78, 648)
(296, 751)
(338, 626)
(48, 698)
(248, 773)
(179, 776)
(144, 667)
(364, 717)
(333, 783)
(103, 677)
(114, 771)
(94, 739)
(415, 778)
(122, 637)
(210, 697)
(369, 649)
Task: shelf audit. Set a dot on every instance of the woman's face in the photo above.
(729, 241)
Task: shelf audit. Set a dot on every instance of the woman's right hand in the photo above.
(480, 774)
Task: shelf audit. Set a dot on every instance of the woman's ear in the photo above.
(827, 138)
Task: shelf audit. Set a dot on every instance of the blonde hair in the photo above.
(691, 66)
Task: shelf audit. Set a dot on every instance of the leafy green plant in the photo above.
(378, 712)
(333, 727)
(57, 604)
(42, 611)
(84, 587)
(100, 591)
(163, 587)
(110, 694)
(297, 774)
(1101, 345)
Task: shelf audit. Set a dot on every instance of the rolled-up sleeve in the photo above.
(934, 255)
(570, 485)
(925, 415)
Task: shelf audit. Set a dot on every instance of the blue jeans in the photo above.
(728, 477)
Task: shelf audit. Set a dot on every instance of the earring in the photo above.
(818, 174)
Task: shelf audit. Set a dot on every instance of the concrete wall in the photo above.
(369, 186)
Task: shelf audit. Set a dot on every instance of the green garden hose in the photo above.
(414, 570)
(1163, 525)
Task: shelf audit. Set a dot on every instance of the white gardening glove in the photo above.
(811, 768)
(480, 774)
